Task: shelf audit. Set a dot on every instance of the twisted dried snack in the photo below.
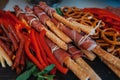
(78, 15)
(106, 38)
(111, 36)
(116, 52)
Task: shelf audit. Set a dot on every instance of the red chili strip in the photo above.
(50, 55)
(12, 17)
(18, 70)
(5, 39)
(30, 56)
(22, 61)
(43, 54)
(9, 35)
(15, 44)
(18, 55)
(1, 31)
(36, 47)
(12, 30)
(108, 17)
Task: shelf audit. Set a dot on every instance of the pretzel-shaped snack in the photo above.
(111, 36)
(78, 15)
(70, 11)
(116, 52)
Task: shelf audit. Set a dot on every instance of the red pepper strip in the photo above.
(99, 10)
(15, 44)
(43, 54)
(35, 44)
(13, 31)
(12, 17)
(18, 55)
(50, 55)
(22, 61)
(53, 71)
(18, 70)
(109, 18)
(30, 56)
(102, 13)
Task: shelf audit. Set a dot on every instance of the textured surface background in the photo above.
(77, 3)
(3, 3)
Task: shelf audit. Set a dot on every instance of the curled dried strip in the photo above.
(111, 36)
(116, 53)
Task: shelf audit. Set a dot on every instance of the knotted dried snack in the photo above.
(116, 52)
(111, 36)
(78, 15)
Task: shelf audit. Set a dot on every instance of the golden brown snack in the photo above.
(111, 36)
(113, 68)
(107, 56)
(93, 75)
(76, 68)
(78, 15)
(116, 52)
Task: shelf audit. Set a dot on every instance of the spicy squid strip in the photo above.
(51, 12)
(77, 56)
(64, 58)
(43, 17)
(35, 23)
(87, 43)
